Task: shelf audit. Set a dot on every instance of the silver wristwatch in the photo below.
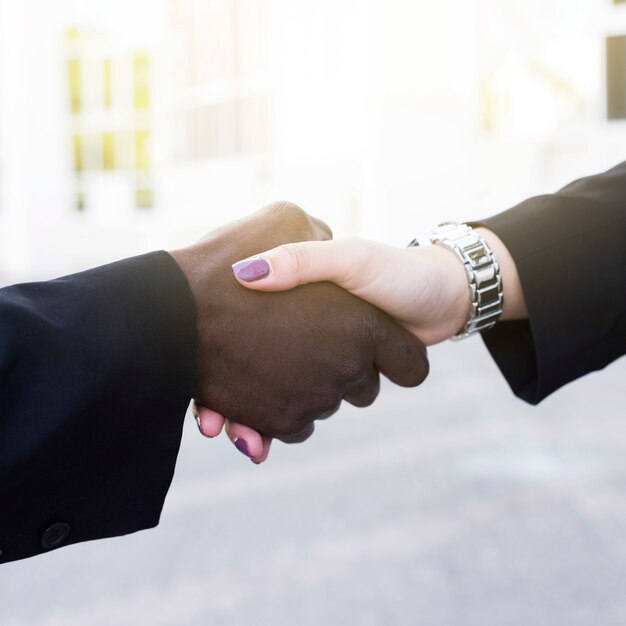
(483, 274)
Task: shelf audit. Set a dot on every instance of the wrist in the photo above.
(456, 297)
(187, 260)
(199, 264)
(514, 302)
(447, 291)
(481, 267)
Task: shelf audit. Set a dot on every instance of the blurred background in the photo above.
(127, 126)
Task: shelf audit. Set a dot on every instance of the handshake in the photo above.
(288, 324)
(341, 313)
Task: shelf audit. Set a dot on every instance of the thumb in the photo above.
(341, 261)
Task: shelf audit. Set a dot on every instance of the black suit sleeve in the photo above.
(96, 373)
(570, 252)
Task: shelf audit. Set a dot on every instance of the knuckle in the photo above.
(286, 209)
(329, 397)
(365, 387)
(363, 398)
(370, 392)
(417, 365)
(368, 400)
(294, 425)
(354, 374)
(330, 412)
(300, 225)
(371, 327)
(329, 408)
(298, 437)
(323, 231)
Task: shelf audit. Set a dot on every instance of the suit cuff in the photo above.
(97, 372)
(568, 249)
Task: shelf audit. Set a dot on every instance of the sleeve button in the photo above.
(55, 535)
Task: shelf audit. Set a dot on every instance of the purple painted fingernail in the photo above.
(242, 446)
(252, 269)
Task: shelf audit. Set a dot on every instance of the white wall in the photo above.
(378, 121)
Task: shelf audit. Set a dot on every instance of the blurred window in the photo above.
(142, 149)
(77, 145)
(74, 69)
(141, 71)
(125, 151)
(144, 198)
(220, 64)
(110, 105)
(80, 202)
(92, 151)
(108, 151)
(616, 77)
(108, 96)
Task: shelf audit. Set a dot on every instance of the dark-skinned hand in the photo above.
(276, 362)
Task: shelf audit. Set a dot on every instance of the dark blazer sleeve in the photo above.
(96, 373)
(570, 252)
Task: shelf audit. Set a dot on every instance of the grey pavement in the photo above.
(452, 505)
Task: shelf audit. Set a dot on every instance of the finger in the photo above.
(365, 392)
(299, 437)
(209, 422)
(267, 442)
(326, 232)
(399, 355)
(247, 440)
(342, 261)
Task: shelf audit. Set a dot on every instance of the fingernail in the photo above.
(253, 269)
(199, 423)
(242, 446)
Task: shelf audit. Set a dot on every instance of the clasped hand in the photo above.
(423, 289)
(273, 363)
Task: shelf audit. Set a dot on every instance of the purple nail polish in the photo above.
(252, 269)
(242, 446)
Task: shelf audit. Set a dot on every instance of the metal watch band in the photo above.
(483, 274)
